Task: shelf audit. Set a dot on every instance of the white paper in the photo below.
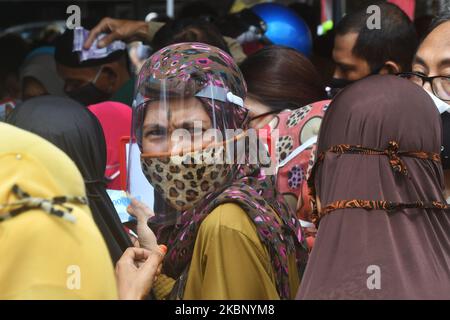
(139, 187)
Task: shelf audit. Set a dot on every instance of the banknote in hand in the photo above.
(79, 37)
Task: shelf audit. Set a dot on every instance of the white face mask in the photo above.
(441, 105)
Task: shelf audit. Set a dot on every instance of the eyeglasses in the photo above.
(439, 84)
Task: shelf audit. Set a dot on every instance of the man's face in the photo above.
(75, 78)
(348, 66)
(433, 56)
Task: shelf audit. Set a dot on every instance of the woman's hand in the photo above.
(136, 271)
(117, 29)
(142, 213)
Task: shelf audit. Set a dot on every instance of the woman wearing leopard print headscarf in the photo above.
(227, 234)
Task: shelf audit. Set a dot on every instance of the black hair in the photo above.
(443, 17)
(235, 24)
(198, 10)
(396, 40)
(189, 30)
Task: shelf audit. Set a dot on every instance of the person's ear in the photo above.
(111, 78)
(390, 67)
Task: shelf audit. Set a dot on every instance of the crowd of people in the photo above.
(269, 180)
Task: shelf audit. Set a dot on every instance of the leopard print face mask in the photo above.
(184, 180)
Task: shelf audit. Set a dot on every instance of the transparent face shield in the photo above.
(189, 139)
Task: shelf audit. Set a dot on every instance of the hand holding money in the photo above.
(117, 29)
(94, 52)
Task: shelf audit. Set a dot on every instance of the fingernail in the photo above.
(163, 248)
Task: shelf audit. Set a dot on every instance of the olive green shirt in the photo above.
(229, 261)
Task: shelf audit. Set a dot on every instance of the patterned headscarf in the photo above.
(194, 65)
(188, 70)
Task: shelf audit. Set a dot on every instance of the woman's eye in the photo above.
(155, 133)
(195, 131)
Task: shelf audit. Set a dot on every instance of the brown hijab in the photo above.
(409, 247)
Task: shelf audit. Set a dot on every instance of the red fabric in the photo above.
(326, 10)
(252, 47)
(293, 128)
(408, 6)
(115, 118)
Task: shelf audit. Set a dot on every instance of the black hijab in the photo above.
(76, 131)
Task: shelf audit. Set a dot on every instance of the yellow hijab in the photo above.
(44, 256)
